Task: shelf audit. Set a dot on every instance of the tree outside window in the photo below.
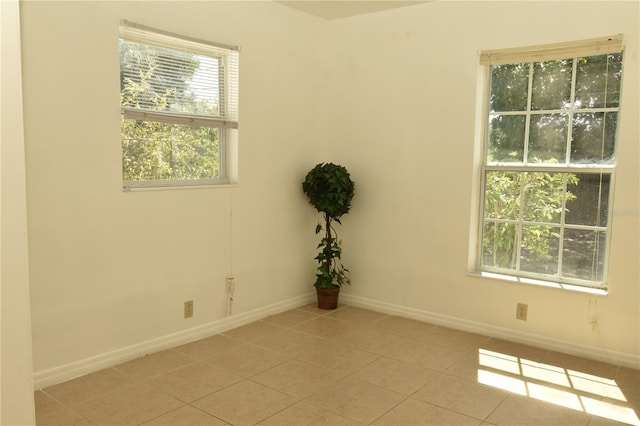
(548, 167)
(175, 97)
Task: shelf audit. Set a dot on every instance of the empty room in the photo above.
(164, 253)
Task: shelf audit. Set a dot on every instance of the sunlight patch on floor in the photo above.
(510, 384)
(610, 411)
(567, 388)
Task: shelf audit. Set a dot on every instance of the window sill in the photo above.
(541, 283)
(179, 187)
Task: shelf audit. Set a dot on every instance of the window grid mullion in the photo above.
(562, 220)
(519, 222)
(527, 130)
(537, 223)
(527, 125)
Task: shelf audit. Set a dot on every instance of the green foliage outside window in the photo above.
(154, 150)
(529, 215)
(534, 196)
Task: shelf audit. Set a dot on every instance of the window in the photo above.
(549, 161)
(179, 107)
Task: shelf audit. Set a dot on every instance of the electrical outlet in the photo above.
(521, 311)
(188, 309)
(230, 285)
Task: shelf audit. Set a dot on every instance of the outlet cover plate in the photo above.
(521, 311)
(188, 309)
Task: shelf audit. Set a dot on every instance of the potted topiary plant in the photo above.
(330, 190)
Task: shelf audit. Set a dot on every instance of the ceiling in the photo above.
(336, 9)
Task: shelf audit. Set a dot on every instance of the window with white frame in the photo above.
(179, 109)
(549, 161)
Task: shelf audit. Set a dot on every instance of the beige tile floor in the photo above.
(350, 366)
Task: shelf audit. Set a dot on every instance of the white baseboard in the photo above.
(590, 352)
(81, 367)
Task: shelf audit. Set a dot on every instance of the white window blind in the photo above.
(179, 108)
(212, 92)
(582, 48)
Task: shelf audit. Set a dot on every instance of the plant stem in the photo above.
(327, 219)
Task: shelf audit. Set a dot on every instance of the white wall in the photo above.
(16, 369)
(112, 269)
(402, 92)
(390, 95)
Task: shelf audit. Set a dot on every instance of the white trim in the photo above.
(565, 285)
(178, 118)
(545, 52)
(570, 50)
(144, 33)
(590, 352)
(226, 93)
(177, 187)
(81, 367)
(129, 185)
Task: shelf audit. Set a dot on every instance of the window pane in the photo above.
(163, 79)
(502, 195)
(509, 87)
(587, 199)
(583, 254)
(157, 151)
(539, 249)
(532, 207)
(551, 85)
(543, 197)
(594, 137)
(499, 242)
(548, 138)
(506, 138)
(598, 81)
